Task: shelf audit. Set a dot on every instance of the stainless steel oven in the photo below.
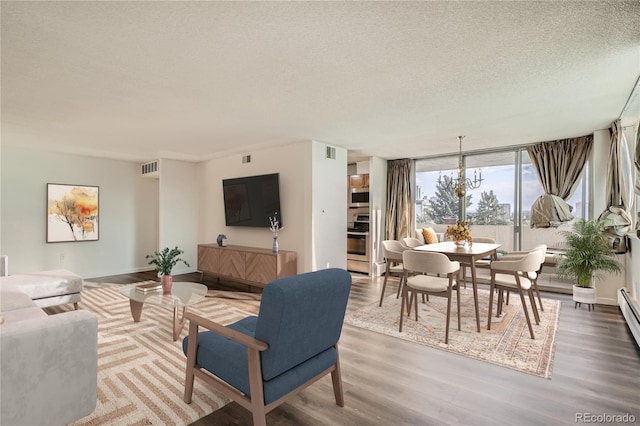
(358, 246)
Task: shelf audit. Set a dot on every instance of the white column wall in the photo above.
(329, 208)
(178, 211)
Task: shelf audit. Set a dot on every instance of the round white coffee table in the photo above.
(182, 295)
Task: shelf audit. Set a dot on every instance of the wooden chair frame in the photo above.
(255, 403)
(517, 275)
(390, 260)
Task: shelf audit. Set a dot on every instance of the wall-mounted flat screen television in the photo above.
(252, 200)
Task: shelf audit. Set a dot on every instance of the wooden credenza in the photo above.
(249, 265)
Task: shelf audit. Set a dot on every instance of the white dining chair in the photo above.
(511, 275)
(392, 252)
(418, 265)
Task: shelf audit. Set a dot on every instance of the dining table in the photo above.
(466, 254)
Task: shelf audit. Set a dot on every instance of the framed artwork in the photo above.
(72, 213)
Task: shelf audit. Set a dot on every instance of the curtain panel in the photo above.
(399, 199)
(559, 166)
(619, 171)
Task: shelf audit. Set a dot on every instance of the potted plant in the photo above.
(165, 261)
(587, 253)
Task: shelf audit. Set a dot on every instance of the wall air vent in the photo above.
(331, 153)
(151, 169)
(246, 159)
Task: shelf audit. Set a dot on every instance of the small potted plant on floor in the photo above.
(587, 253)
(165, 260)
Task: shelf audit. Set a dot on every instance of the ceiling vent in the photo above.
(246, 159)
(151, 169)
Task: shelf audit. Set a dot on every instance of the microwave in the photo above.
(359, 197)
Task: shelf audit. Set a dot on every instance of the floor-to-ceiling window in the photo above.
(499, 208)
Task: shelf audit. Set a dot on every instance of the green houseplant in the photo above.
(587, 253)
(165, 261)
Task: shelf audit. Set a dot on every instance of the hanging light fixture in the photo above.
(462, 183)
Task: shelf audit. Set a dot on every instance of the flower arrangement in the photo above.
(274, 225)
(459, 232)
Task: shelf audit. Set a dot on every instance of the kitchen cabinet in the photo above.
(359, 181)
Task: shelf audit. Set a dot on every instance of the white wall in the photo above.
(127, 213)
(328, 208)
(293, 162)
(377, 206)
(178, 211)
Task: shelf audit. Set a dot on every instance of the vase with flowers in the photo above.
(164, 261)
(459, 233)
(275, 227)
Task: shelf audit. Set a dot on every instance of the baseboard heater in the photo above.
(630, 313)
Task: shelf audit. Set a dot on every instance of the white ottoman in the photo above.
(47, 288)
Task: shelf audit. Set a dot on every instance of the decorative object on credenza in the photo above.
(72, 213)
(222, 240)
(587, 253)
(461, 183)
(459, 233)
(275, 227)
(165, 261)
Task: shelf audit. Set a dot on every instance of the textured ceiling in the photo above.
(198, 80)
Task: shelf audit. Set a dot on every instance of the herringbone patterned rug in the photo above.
(140, 367)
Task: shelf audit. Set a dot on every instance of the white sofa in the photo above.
(48, 363)
(47, 288)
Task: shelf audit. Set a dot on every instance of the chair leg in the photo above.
(402, 303)
(532, 299)
(256, 387)
(446, 333)
(458, 301)
(191, 362)
(414, 297)
(464, 276)
(75, 306)
(384, 285)
(500, 301)
(336, 379)
(526, 312)
(492, 287)
(400, 285)
(535, 285)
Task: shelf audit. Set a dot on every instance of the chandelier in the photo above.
(462, 183)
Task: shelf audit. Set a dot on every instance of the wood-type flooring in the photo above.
(388, 381)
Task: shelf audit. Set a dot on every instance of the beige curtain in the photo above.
(619, 195)
(399, 199)
(559, 165)
(620, 170)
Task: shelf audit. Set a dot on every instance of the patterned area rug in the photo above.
(140, 367)
(508, 343)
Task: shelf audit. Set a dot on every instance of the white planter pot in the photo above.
(584, 294)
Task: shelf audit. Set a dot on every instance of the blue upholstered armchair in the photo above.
(260, 361)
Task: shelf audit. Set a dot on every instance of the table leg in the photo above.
(178, 323)
(475, 291)
(136, 309)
